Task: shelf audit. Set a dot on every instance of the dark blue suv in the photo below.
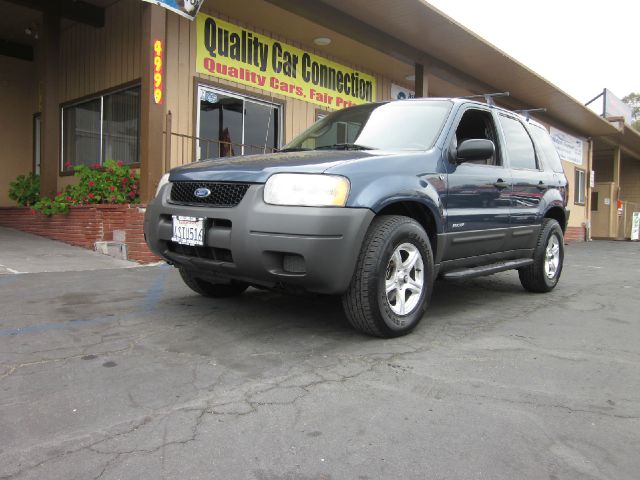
(372, 203)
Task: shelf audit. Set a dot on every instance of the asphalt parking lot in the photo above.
(126, 374)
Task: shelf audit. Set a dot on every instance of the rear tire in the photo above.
(392, 283)
(209, 289)
(543, 274)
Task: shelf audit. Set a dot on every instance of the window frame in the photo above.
(537, 159)
(88, 98)
(578, 191)
(37, 143)
(496, 128)
(240, 95)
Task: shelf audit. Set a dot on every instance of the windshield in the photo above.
(403, 125)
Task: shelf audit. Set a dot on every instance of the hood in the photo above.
(258, 168)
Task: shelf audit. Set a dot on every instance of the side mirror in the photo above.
(475, 149)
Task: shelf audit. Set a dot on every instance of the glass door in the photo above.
(230, 124)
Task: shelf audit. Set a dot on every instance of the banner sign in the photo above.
(186, 8)
(233, 53)
(569, 148)
(401, 93)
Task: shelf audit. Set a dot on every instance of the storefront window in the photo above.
(230, 124)
(101, 129)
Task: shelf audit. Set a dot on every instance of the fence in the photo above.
(180, 149)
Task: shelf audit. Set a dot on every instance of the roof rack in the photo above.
(527, 112)
(489, 97)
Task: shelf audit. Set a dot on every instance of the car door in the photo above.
(530, 183)
(477, 201)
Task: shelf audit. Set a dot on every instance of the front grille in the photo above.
(222, 194)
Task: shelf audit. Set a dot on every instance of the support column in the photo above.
(616, 166)
(422, 81)
(152, 114)
(613, 225)
(48, 65)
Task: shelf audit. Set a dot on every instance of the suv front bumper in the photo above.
(306, 248)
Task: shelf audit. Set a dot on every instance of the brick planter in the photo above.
(85, 225)
(574, 234)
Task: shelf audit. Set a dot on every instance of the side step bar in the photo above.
(487, 269)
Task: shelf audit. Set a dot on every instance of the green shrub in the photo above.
(112, 183)
(25, 190)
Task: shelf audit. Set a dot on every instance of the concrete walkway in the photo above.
(25, 253)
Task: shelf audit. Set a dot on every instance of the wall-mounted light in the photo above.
(32, 31)
(322, 41)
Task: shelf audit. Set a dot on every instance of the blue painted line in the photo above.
(12, 332)
(154, 294)
(150, 303)
(6, 279)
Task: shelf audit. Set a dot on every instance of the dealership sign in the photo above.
(186, 8)
(233, 53)
(569, 147)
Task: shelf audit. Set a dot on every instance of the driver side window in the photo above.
(477, 124)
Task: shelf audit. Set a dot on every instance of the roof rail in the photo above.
(489, 97)
(527, 112)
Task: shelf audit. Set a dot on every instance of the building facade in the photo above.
(130, 81)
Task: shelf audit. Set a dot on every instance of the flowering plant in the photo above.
(111, 183)
(25, 189)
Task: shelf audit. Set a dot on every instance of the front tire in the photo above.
(392, 283)
(209, 289)
(548, 257)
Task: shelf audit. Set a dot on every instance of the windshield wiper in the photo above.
(344, 146)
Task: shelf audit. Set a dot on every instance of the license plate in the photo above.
(188, 230)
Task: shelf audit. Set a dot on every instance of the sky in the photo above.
(580, 46)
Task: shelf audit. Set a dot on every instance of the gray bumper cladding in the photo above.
(306, 248)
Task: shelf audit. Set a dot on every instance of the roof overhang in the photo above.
(415, 31)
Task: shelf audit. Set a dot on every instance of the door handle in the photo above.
(500, 184)
(542, 186)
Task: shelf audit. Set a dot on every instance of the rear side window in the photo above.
(519, 146)
(546, 148)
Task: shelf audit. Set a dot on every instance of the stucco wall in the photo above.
(18, 98)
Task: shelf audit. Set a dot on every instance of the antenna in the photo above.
(527, 112)
(488, 97)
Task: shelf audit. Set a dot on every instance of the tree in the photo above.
(633, 100)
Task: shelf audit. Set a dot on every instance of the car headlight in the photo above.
(163, 181)
(306, 190)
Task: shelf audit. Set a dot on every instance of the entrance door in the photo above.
(230, 124)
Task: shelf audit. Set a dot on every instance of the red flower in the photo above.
(125, 179)
(96, 165)
(112, 188)
(33, 212)
(119, 163)
(132, 194)
(91, 184)
(91, 195)
(67, 165)
(111, 170)
(68, 198)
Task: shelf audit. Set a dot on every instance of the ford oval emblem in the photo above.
(202, 192)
